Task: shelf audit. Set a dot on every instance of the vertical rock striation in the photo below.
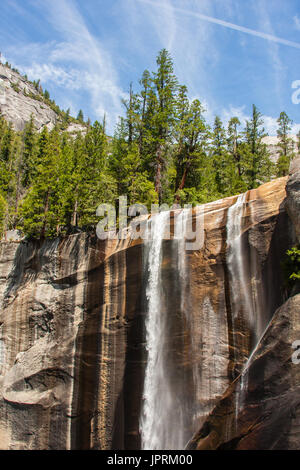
(82, 321)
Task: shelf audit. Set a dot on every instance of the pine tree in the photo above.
(29, 160)
(285, 143)
(165, 88)
(220, 156)
(39, 209)
(257, 166)
(145, 82)
(7, 144)
(234, 141)
(190, 132)
(94, 184)
(65, 186)
(80, 116)
(125, 166)
(3, 207)
(132, 116)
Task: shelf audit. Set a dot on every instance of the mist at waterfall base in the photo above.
(169, 415)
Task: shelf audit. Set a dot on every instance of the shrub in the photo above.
(2, 214)
(292, 265)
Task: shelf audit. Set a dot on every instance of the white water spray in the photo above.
(158, 406)
(241, 298)
(240, 291)
(181, 223)
(164, 413)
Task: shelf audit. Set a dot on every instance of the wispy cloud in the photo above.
(77, 62)
(272, 50)
(229, 25)
(89, 62)
(297, 22)
(94, 64)
(270, 123)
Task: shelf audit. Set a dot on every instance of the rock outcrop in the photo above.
(272, 142)
(19, 100)
(261, 408)
(293, 193)
(72, 335)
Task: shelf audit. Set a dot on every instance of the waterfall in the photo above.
(162, 421)
(240, 293)
(180, 235)
(157, 393)
(240, 290)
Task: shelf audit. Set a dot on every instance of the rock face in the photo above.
(260, 408)
(19, 100)
(16, 107)
(272, 143)
(293, 192)
(73, 341)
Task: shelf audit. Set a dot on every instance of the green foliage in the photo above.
(15, 87)
(292, 265)
(80, 116)
(285, 143)
(257, 167)
(3, 207)
(162, 151)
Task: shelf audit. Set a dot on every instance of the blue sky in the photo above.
(230, 53)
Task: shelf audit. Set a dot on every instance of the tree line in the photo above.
(162, 151)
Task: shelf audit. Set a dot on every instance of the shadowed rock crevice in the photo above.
(73, 345)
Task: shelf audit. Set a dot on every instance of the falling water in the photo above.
(181, 233)
(164, 411)
(180, 236)
(241, 298)
(158, 432)
(240, 291)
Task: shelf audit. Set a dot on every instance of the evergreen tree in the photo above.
(190, 132)
(145, 82)
(3, 206)
(125, 166)
(164, 87)
(7, 144)
(80, 116)
(257, 166)
(38, 210)
(162, 151)
(286, 144)
(234, 141)
(220, 156)
(29, 160)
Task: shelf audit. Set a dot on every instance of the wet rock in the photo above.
(72, 334)
(293, 195)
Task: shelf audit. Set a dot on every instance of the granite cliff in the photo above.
(19, 100)
(75, 344)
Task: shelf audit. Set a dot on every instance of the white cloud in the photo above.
(52, 73)
(3, 59)
(78, 62)
(270, 123)
(297, 22)
(82, 65)
(233, 111)
(272, 49)
(226, 24)
(295, 129)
